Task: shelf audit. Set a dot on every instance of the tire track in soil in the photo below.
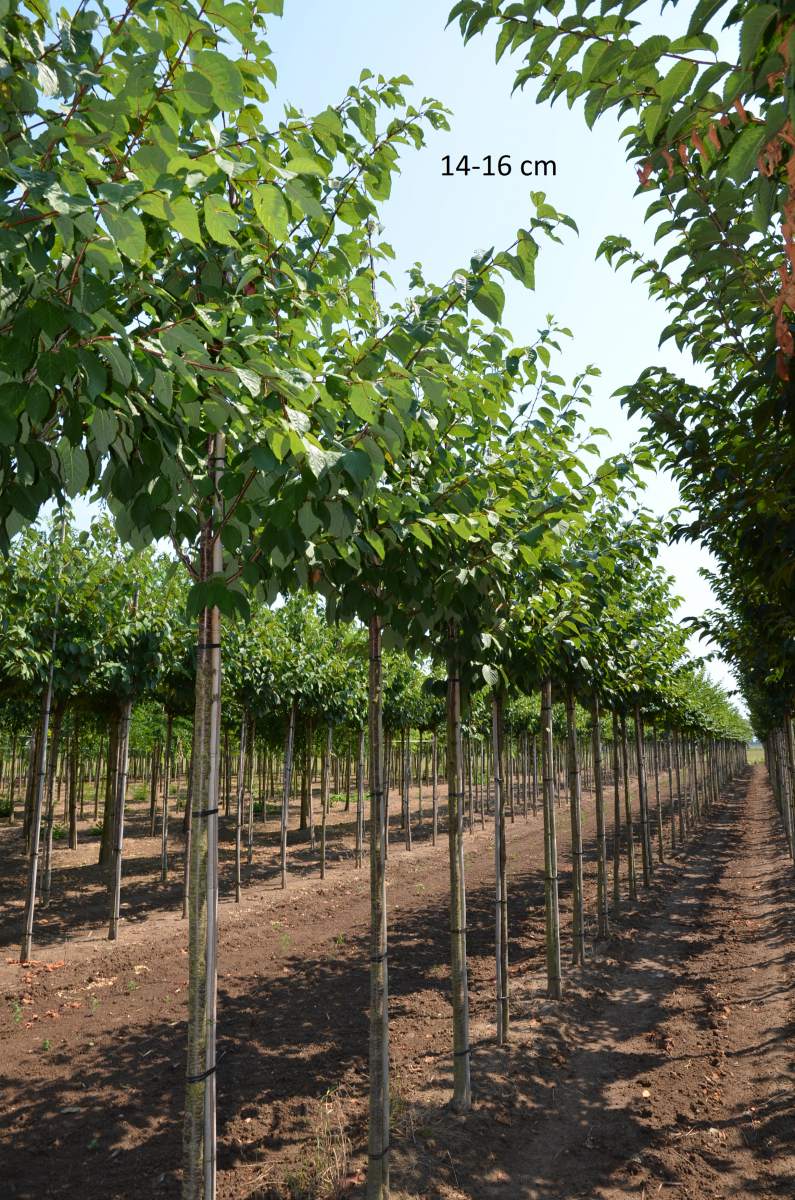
(680, 1084)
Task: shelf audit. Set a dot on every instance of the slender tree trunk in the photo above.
(551, 906)
(166, 785)
(74, 767)
(643, 801)
(360, 799)
(407, 787)
(288, 771)
(575, 807)
(500, 880)
(55, 742)
(199, 1129)
(462, 1095)
(248, 790)
(324, 796)
(378, 1126)
(106, 841)
(40, 773)
(434, 787)
(679, 798)
(154, 779)
(13, 778)
(602, 921)
(616, 820)
(114, 889)
(241, 791)
(658, 803)
(633, 886)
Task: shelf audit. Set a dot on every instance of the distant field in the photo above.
(756, 754)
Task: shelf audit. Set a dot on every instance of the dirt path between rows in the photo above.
(667, 1070)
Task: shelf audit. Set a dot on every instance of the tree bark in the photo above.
(602, 921)
(199, 1129)
(551, 906)
(166, 785)
(462, 1095)
(500, 881)
(288, 774)
(575, 808)
(241, 791)
(378, 1125)
(114, 889)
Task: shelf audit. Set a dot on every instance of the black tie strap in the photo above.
(200, 1078)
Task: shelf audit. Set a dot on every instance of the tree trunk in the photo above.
(407, 787)
(658, 802)
(575, 808)
(40, 777)
(378, 1125)
(114, 889)
(74, 765)
(643, 801)
(106, 841)
(55, 740)
(241, 790)
(153, 782)
(462, 1096)
(199, 1131)
(616, 820)
(633, 887)
(166, 785)
(551, 906)
(500, 880)
(360, 799)
(602, 921)
(434, 787)
(288, 774)
(325, 777)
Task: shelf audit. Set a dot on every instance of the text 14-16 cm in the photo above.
(491, 165)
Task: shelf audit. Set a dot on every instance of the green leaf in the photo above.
(185, 219)
(75, 467)
(220, 220)
(490, 300)
(743, 154)
(194, 91)
(376, 542)
(676, 83)
(304, 162)
(360, 398)
(118, 362)
(648, 52)
(702, 14)
(753, 30)
(271, 208)
(421, 534)
(104, 428)
(226, 82)
(127, 231)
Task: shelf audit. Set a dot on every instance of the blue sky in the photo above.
(320, 48)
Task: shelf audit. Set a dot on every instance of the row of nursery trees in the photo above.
(709, 125)
(100, 632)
(194, 330)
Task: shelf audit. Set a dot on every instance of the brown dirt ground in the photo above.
(667, 1069)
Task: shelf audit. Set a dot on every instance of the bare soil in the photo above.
(667, 1070)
